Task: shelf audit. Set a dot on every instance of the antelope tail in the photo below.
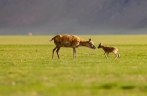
(52, 39)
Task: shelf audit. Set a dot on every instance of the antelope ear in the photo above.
(89, 39)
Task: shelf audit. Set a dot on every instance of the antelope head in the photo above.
(90, 44)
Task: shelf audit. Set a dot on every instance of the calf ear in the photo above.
(99, 44)
(89, 39)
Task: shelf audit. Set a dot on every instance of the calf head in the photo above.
(99, 46)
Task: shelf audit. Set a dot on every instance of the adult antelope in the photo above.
(73, 41)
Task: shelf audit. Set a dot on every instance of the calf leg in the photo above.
(118, 55)
(106, 55)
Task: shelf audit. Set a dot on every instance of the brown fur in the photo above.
(108, 50)
(73, 41)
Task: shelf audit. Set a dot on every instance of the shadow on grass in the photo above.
(108, 86)
(131, 87)
(128, 87)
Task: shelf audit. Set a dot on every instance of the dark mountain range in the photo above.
(73, 16)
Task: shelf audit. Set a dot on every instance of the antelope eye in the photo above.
(90, 43)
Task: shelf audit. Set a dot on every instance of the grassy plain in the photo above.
(26, 67)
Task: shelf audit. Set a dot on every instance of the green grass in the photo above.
(26, 67)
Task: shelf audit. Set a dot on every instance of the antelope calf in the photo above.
(108, 50)
(72, 41)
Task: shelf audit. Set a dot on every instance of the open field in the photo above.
(26, 67)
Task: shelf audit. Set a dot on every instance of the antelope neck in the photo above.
(83, 42)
